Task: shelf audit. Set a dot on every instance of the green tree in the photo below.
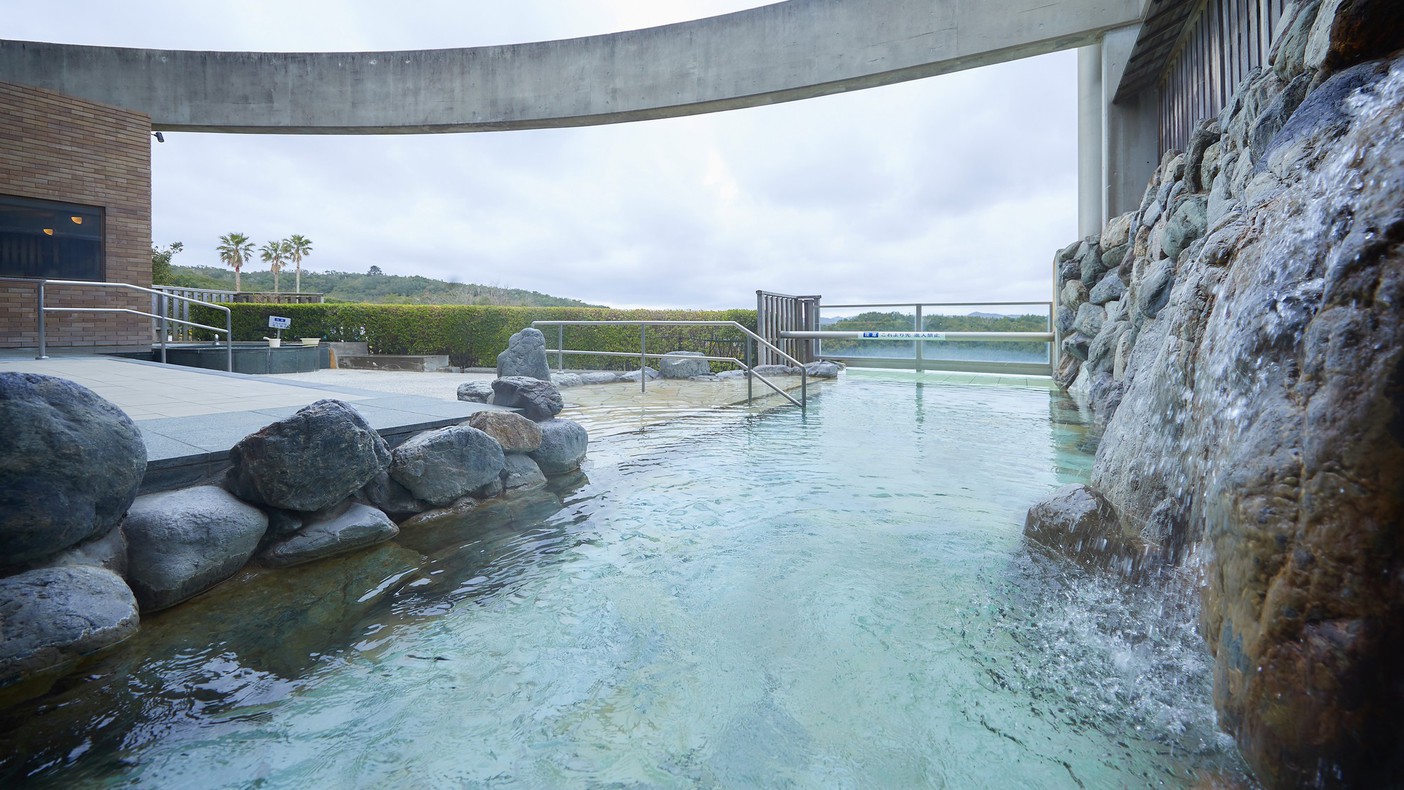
(161, 262)
(235, 249)
(374, 271)
(299, 247)
(274, 253)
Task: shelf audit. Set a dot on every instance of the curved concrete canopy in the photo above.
(781, 52)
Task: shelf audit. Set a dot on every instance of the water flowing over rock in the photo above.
(683, 365)
(525, 356)
(181, 543)
(441, 466)
(309, 461)
(514, 432)
(1253, 407)
(354, 528)
(50, 617)
(70, 467)
(563, 445)
(538, 400)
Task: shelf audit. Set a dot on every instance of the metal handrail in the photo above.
(920, 336)
(40, 284)
(643, 351)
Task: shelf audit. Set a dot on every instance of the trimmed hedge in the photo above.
(473, 335)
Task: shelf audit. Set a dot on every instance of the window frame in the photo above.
(62, 208)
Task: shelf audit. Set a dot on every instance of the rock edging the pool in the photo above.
(1241, 338)
(84, 554)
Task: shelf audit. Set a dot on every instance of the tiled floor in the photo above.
(190, 415)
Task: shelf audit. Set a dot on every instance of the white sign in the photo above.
(278, 322)
(906, 335)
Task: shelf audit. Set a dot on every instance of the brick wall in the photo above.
(55, 147)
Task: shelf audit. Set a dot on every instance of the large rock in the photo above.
(50, 617)
(563, 445)
(1109, 289)
(385, 493)
(514, 432)
(1078, 522)
(355, 528)
(70, 466)
(538, 400)
(1090, 318)
(822, 369)
(520, 471)
(525, 356)
(447, 464)
(1263, 404)
(475, 391)
(683, 365)
(181, 543)
(1347, 32)
(309, 461)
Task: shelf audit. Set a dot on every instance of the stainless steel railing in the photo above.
(561, 351)
(918, 336)
(162, 316)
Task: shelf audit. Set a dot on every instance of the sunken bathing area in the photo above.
(1180, 563)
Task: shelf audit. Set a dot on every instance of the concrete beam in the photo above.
(781, 52)
(1089, 140)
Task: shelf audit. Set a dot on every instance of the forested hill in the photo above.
(374, 287)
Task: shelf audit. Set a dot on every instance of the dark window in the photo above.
(41, 238)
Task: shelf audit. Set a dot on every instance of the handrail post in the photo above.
(643, 358)
(749, 378)
(43, 351)
(920, 353)
(165, 309)
(228, 340)
(560, 346)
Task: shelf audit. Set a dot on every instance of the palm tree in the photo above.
(274, 253)
(298, 246)
(235, 250)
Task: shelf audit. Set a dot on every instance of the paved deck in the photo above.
(190, 417)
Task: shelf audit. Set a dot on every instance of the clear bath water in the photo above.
(841, 598)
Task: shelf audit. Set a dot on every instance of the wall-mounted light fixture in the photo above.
(48, 231)
(76, 220)
(160, 138)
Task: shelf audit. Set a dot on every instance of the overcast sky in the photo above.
(953, 188)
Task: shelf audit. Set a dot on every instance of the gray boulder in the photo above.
(683, 365)
(1109, 289)
(599, 377)
(525, 356)
(822, 369)
(385, 493)
(475, 391)
(181, 543)
(355, 528)
(539, 400)
(50, 617)
(70, 467)
(1079, 523)
(514, 432)
(520, 471)
(563, 445)
(1187, 224)
(1089, 320)
(443, 465)
(108, 551)
(634, 375)
(309, 461)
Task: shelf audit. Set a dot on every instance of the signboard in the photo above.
(278, 322)
(905, 335)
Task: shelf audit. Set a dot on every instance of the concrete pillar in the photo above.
(1130, 129)
(1089, 140)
